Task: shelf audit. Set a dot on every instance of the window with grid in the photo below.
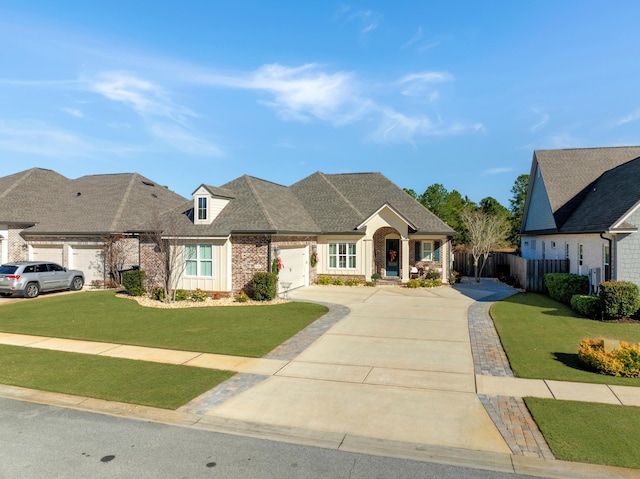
(342, 255)
(202, 208)
(199, 260)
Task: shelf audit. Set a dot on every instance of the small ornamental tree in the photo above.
(485, 233)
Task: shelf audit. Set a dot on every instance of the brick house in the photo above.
(350, 225)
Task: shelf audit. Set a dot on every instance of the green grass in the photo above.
(588, 432)
(541, 338)
(250, 331)
(164, 386)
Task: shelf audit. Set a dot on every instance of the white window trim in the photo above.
(204, 210)
(346, 255)
(198, 260)
(422, 255)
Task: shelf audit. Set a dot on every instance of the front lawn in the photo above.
(541, 338)
(250, 331)
(588, 432)
(164, 386)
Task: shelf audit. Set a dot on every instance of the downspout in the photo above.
(610, 257)
(268, 253)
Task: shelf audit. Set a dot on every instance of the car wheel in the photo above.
(32, 290)
(77, 283)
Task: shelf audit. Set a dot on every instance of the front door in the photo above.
(393, 257)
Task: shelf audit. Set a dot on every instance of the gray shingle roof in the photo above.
(95, 204)
(570, 177)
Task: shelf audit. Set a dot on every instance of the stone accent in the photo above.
(16, 246)
(152, 263)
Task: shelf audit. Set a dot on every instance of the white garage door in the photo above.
(47, 253)
(90, 261)
(294, 271)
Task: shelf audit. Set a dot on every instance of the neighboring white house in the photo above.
(584, 205)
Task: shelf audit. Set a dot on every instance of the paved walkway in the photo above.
(390, 364)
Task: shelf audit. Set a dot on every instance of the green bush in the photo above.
(181, 295)
(414, 283)
(375, 276)
(587, 306)
(431, 274)
(431, 283)
(562, 286)
(241, 297)
(338, 281)
(158, 294)
(370, 283)
(352, 282)
(198, 296)
(325, 280)
(133, 279)
(136, 291)
(265, 286)
(620, 299)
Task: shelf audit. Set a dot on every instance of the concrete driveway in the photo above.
(398, 367)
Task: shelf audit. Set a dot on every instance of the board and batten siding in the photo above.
(362, 249)
(539, 214)
(221, 279)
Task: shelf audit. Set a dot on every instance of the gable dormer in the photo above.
(208, 202)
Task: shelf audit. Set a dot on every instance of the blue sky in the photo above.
(459, 93)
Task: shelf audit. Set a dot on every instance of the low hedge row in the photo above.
(563, 286)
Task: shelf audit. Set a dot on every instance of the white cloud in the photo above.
(366, 20)
(422, 84)
(145, 97)
(416, 38)
(497, 171)
(631, 117)
(41, 139)
(543, 119)
(73, 112)
(183, 141)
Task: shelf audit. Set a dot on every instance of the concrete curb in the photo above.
(328, 440)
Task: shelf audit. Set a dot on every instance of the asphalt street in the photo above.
(39, 441)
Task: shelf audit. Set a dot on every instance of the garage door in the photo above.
(47, 253)
(294, 271)
(90, 261)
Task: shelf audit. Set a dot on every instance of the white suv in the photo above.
(30, 277)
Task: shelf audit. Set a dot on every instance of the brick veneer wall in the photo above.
(152, 263)
(249, 254)
(379, 248)
(16, 245)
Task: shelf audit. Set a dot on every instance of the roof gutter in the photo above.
(610, 249)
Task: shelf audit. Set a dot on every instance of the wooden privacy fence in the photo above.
(529, 273)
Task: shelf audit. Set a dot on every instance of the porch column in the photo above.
(368, 258)
(405, 260)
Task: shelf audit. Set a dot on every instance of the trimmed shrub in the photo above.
(431, 283)
(133, 279)
(198, 296)
(241, 297)
(375, 276)
(586, 306)
(181, 295)
(621, 362)
(325, 280)
(562, 286)
(432, 274)
(414, 283)
(620, 299)
(370, 283)
(338, 281)
(158, 294)
(352, 282)
(265, 286)
(136, 291)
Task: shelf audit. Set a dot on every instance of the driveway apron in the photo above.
(397, 367)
